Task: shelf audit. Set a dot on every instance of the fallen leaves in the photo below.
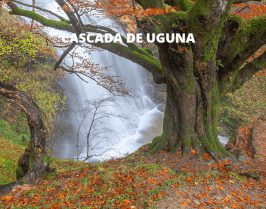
(193, 189)
(246, 13)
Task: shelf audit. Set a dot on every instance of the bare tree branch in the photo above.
(62, 57)
(73, 20)
(98, 115)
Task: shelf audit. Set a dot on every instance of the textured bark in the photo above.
(32, 164)
(191, 115)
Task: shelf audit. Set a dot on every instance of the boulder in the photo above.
(257, 139)
(249, 140)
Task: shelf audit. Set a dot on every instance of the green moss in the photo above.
(47, 159)
(175, 17)
(195, 141)
(46, 22)
(215, 97)
(200, 21)
(19, 171)
(185, 4)
(187, 139)
(158, 143)
(148, 50)
(164, 21)
(177, 147)
(241, 41)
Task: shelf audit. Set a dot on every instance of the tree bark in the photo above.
(34, 161)
(191, 117)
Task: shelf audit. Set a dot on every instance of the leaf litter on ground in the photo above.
(166, 180)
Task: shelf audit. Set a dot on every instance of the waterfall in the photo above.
(140, 119)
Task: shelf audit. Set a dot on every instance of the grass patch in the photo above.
(10, 153)
(130, 182)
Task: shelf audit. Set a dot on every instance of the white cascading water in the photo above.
(141, 120)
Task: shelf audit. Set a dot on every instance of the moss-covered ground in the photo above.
(139, 180)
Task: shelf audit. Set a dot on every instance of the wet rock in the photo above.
(161, 107)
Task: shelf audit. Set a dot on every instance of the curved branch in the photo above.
(250, 38)
(132, 52)
(98, 29)
(60, 25)
(31, 165)
(44, 10)
(76, 12)
(227, 33)
(245, 73)
(83, 73)
(62, 57)
(136, 55)
(73, 19)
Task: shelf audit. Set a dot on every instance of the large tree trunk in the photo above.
(33, 162)
(191, 113)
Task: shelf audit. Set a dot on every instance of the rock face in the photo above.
(257, 139)
(250, 140)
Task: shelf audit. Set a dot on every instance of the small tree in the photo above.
(96, 129)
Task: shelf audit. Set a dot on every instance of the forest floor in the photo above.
(166, 180)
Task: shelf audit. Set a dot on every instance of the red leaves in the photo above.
(207, 156)
(219, 187)
(7, 198)
(247, 13)
(62, 195)
(262, 74)
(163, 172)
(128, 10)
(126, 202)
(152, 181)
(130, 189)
